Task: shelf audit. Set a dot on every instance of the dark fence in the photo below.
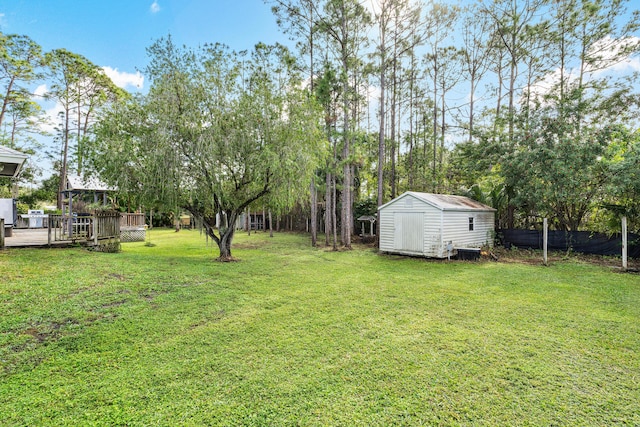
(584, 242)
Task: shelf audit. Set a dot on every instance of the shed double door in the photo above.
(408, 234)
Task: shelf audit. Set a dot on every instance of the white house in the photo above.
(434, 225)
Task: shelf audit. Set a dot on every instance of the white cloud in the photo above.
(545, 85)
(628, 65)
(123, 79)
(607, 52)
(155, 7)
(41, 91)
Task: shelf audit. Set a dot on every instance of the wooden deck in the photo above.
(32, 238)
(101, 231)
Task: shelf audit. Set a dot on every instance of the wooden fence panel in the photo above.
(106, 231)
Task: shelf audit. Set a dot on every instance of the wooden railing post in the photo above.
(1, 232)
(95, 229)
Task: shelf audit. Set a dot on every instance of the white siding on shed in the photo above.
(456, 229)
(409, 232)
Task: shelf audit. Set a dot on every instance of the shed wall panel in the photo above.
(432, 232)
(386, 230)
(456, 229)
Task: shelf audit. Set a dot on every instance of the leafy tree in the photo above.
(558, 171)
(513, 21)
(622, 189)
(442, 19)
(80, 87)
(400, 31)
(326, 91)
(217, 132)
(344, 26)
(475, 52)
(298, 19)
(20, 62)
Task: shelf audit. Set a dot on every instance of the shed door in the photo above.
(409, 232)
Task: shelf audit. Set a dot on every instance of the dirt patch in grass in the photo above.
(45, 332)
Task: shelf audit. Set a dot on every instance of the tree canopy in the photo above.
(218, 131)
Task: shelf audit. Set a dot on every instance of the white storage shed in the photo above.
(434, 225)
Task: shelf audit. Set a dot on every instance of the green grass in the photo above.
(291, 335)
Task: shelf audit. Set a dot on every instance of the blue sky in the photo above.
(115, 33)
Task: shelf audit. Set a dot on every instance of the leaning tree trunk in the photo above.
(224, 244)
(224, 237)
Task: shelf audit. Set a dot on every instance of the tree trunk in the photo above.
(471, 100)
(225, 234)
(314, 212)
(6, 99)
(394, 102)
(328, 230)
(443, 125)
(65, 154)
(435, 122)
(411, 123)
(270, 226)
(346, 151)
(334, 219)
(224, 244)
(381, 142)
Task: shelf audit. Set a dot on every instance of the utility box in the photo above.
(9, 212)
(469, 254)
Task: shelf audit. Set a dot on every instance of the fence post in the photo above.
(624, 243)
(49, 230)
(545, 240)
(95, 229)
(1, 232)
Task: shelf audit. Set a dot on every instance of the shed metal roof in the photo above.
(445, 202)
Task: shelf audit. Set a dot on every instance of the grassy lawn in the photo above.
(292, 335)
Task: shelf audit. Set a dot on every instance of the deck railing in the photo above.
(99, 229)
(132, 220)
(65, 227)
